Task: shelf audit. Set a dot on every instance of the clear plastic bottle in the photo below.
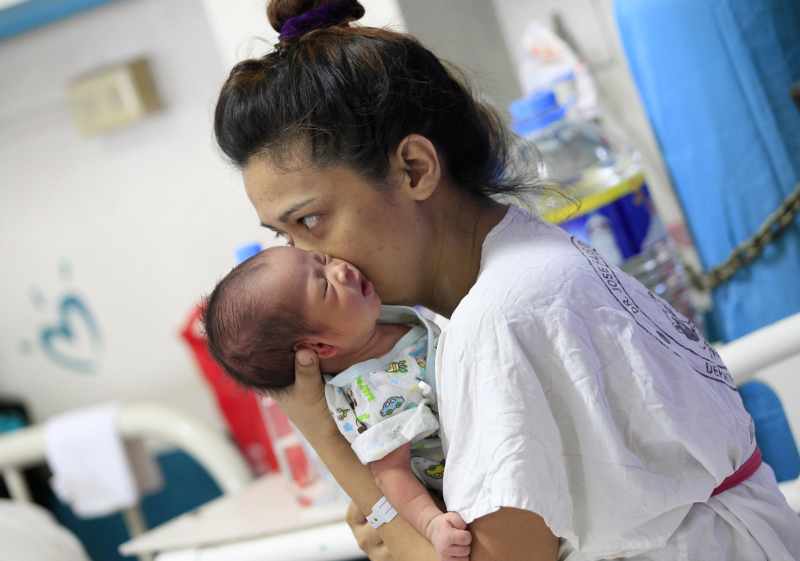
(546, 61)
(309, 479)
(604, 197)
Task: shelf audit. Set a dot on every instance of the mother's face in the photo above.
(338, 212)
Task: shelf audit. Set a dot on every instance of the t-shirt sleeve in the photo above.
(391, 433)
(503, 445)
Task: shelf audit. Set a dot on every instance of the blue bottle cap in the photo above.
(535, 112)
(542, 101)
(246, 251)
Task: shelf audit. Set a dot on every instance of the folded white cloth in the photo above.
(93, 470)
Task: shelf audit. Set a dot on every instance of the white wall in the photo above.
(241, 28)
(139, 223)
(467, 33)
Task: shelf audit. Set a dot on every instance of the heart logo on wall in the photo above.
(74, 340)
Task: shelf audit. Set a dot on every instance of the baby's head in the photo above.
(282, 300)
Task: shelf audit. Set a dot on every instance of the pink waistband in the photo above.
(744, 472)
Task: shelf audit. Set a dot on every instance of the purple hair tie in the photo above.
(323, 16)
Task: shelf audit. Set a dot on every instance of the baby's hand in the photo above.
(449, 535)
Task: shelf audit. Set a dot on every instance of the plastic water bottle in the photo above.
(310, 480)
(547, 62)
(604, 197)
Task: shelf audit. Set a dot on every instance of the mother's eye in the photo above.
(310, 221)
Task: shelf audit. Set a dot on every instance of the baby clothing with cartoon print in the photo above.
(386, 402)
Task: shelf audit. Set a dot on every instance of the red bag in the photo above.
(240, 407)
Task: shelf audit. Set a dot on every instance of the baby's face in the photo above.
(332, 295)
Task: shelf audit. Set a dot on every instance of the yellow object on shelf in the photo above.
(594, 201)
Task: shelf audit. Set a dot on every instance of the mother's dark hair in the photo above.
(349, 95)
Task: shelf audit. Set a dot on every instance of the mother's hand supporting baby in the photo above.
(304, 401)
(366, 536)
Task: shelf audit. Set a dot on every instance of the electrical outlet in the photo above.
(113, 97)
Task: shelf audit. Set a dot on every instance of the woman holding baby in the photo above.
(578, 422)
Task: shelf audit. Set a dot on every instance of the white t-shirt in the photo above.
(568, 389)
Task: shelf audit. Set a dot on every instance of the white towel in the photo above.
(92, 466)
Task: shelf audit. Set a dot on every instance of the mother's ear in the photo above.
(416, 164)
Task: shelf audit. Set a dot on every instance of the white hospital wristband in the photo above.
(382, 513)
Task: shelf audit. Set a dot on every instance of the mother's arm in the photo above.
(511, 534)
(506, 535)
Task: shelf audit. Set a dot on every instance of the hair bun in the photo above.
(311, 14)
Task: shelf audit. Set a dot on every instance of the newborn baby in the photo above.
(378, 364)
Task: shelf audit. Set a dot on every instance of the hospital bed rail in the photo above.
(748, 355)
(149, 421)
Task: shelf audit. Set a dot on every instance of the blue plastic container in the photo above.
(535, 112)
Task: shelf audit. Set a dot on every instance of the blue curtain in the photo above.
(714, 77)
